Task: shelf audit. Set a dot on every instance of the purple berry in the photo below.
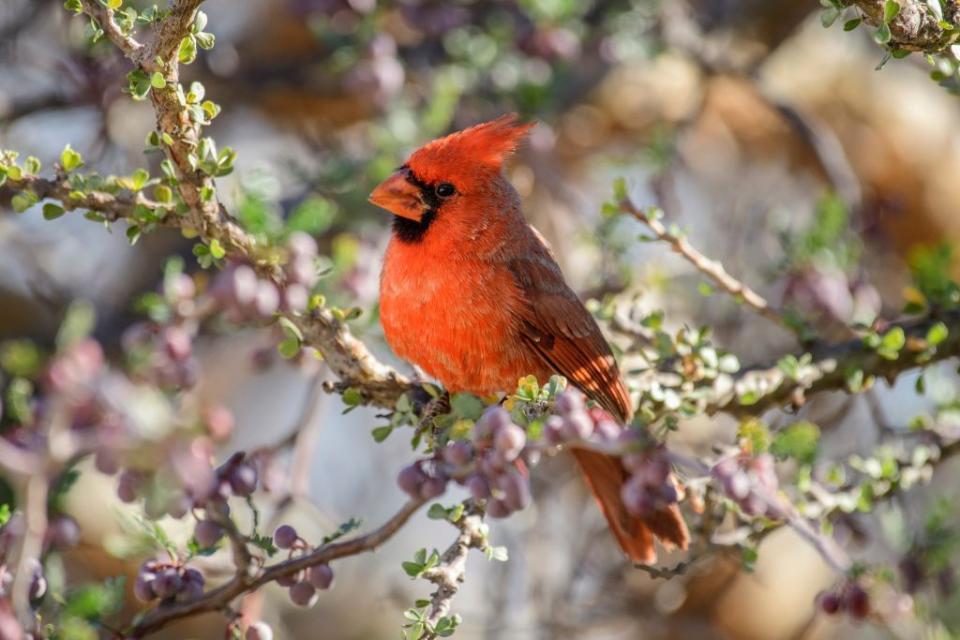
(458, 453)
(128, 485)
(516, 490)
(636, 497)
(287, 581)
(302, 245)
(857, 602)
(509, 440)
(321, 576)
(167, 583)
(578, 426)
(492, 420)
(207, 533)
(295, 298)
(432, 488)
(106, 462)
(64, 532)
(242, 285)
(192, 584)
(829, 603)
(553, 430)
(243, 479)
(410, 479)
(285, 536)
(143, 587)
(570, 401)
(303, 594)
(478, 487)
(497, 509)
(267, 300)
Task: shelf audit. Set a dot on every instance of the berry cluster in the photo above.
(492, 466)
(849, 597)
(168, 581)
(651, 486)
(245, 297)
(303, 585)
(751, 482)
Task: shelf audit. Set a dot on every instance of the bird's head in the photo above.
(448, 174)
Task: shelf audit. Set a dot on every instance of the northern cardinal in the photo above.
(471, 293)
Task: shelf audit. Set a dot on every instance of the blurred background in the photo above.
(783, 148)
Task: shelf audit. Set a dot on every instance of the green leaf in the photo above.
(352, 397)
(32, 165)
(437, 512)
(289, 348)
(206, 40)
(620, 189)
(850, 25)
(882, 35)
(163, 193)
(157, 81)
(187, 52)
(800, 441)
(133, 233)
(756, 434)
(412, 569)
(828, 16)
(138, 84)
(466, 405)
(78, 323)
(70, 159)
(891, 8)
(114, 4)
(937, 334)
(216, 249)
(23, 201)
(382, 433)
(52, 211)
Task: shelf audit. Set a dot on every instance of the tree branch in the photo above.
(916, 27)
(220, 597)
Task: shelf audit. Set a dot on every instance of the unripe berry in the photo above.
(285, 536)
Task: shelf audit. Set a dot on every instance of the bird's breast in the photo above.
(456, 318)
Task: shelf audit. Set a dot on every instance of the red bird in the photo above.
(471, 294)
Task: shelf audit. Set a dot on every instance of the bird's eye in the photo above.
(445, 190)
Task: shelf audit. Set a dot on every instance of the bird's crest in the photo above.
(487, 144)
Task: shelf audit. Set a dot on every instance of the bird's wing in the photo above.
(561, 331)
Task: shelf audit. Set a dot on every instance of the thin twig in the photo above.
(451, 572)
(105, 18)
(710, 268)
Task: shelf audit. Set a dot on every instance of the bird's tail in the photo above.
(605, 476)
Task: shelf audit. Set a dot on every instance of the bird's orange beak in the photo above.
(398, 196)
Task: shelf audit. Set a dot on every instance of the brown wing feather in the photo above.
(557, 326)
(564, 334)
